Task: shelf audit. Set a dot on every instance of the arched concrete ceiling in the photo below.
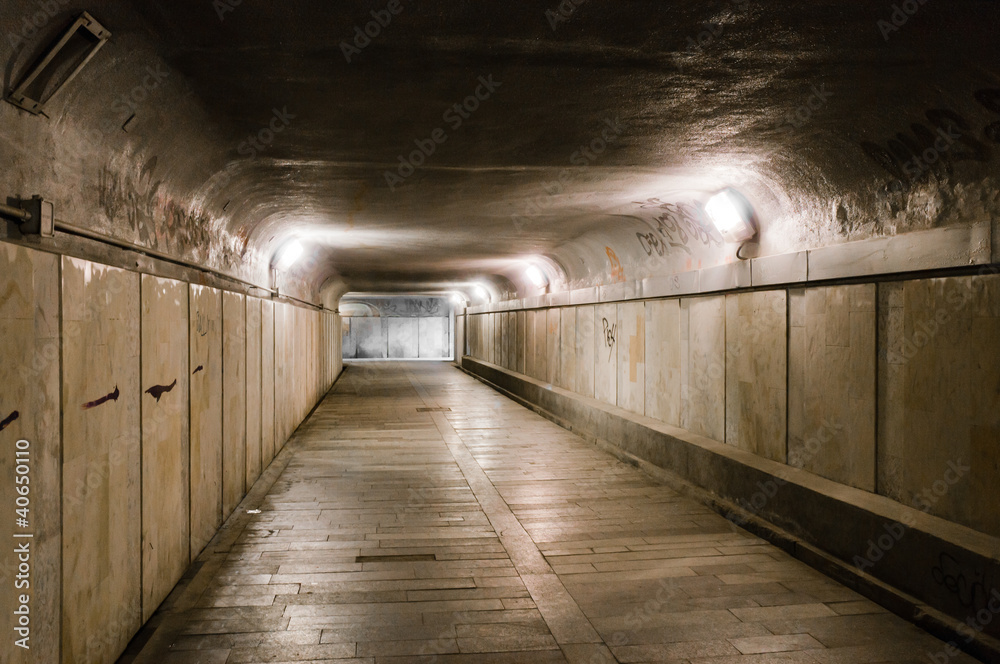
(596, 137)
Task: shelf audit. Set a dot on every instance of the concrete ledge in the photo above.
(930, 571)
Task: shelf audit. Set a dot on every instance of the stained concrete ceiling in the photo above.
(813, 110)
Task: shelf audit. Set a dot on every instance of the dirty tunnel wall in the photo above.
(141, 410)
(794, 375)
(889, 390)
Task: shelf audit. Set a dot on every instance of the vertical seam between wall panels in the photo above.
(260, 372)
(62, 456)
(222, 410)
(788, 367)
(725, 366)
(274, 382)
(190, 427)
(877, 405)
(246, 385)
(142, 446)
(190, 438)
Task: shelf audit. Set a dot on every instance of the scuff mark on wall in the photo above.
(10, 419)
(103, 400)
(157, 391)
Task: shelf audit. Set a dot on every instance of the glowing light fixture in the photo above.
(481, 293)
(732, 215)
(536, 276)
(287, 255)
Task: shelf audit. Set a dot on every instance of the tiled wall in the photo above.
(159, 403)
(400, 338)
(893, 388)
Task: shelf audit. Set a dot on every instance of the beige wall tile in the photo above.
(703, 366)
(205, 369)
(606, 340)
(585, 349)
(234, 395)
(166, 543)
(253, 407)
(939, 390)
(267, 379)
(541, 345)
(832, 358)
(552, 339)
(29, 411)
(756, 372)
(102, 591)
(663, 361)
(632, 356)
(568, 356)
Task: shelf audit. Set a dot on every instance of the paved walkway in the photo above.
(422, 517)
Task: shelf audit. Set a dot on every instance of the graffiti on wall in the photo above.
(674, 226)
(617, 271)
(932, 147)
(610, 336)
(396, 307)
(157, 221)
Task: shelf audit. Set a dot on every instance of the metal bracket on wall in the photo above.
(71, 53)
(34, 216)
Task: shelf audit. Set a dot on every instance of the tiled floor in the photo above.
(526, 544)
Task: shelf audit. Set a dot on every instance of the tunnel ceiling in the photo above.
(813, 110)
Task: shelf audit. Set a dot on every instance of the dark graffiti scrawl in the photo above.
(10, 419)
(157, 391)
(103, 400)
(610, 334)
(675, 226)
(931, 149)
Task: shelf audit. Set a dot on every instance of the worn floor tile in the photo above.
(489, 535)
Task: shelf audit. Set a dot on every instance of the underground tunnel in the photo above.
(487, 333)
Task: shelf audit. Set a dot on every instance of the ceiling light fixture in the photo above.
(536, 276)
(732, 215)
(481, 293)
(288, 255)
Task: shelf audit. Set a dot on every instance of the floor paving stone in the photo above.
(542, 549)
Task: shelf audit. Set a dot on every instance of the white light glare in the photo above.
(536, 276)
(729, 212)
(481, 293)
(457, 299)
(288, 254)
